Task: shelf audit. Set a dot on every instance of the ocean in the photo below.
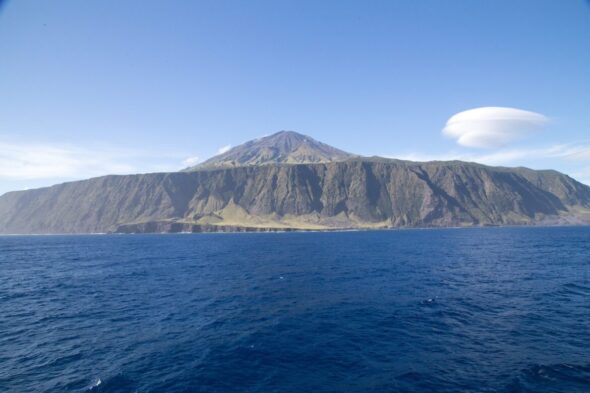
(441, 310)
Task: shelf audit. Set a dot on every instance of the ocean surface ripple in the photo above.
(474, 310)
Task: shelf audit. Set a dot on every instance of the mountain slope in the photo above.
(357, 193)
(284, 147)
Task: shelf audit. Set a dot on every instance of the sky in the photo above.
(89, 88)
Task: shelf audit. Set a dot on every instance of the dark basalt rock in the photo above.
(355, 193)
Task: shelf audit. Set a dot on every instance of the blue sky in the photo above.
(91, 88)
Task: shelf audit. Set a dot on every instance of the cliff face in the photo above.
(358, 193)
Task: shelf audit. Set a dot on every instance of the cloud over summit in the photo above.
(492, 127)
(224, 149)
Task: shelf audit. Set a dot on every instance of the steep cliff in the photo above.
(355, 193)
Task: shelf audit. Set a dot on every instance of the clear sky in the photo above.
(95, 87)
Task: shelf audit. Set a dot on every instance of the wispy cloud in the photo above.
(223, 149)
(492, 127)
(506, 156)
(511, 156)
(190, 161)
(579, 153)
(25, 161)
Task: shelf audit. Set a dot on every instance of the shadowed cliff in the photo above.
(355, 193)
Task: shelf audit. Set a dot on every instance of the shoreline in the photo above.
(299, 230)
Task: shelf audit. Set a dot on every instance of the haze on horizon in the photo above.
(106, 87)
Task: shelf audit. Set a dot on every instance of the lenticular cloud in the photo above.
(492, 127)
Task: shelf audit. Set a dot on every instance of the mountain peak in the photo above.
(283, 147)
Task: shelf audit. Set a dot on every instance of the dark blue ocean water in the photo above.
(477, 310)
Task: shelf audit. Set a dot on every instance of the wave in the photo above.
(556, 378)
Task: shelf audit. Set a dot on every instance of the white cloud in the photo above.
(190, 161)
(492, 127)
(506, 156)
(512, 156)
(27, 161)
(223, 149)
(580, 153)
(34, 161)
